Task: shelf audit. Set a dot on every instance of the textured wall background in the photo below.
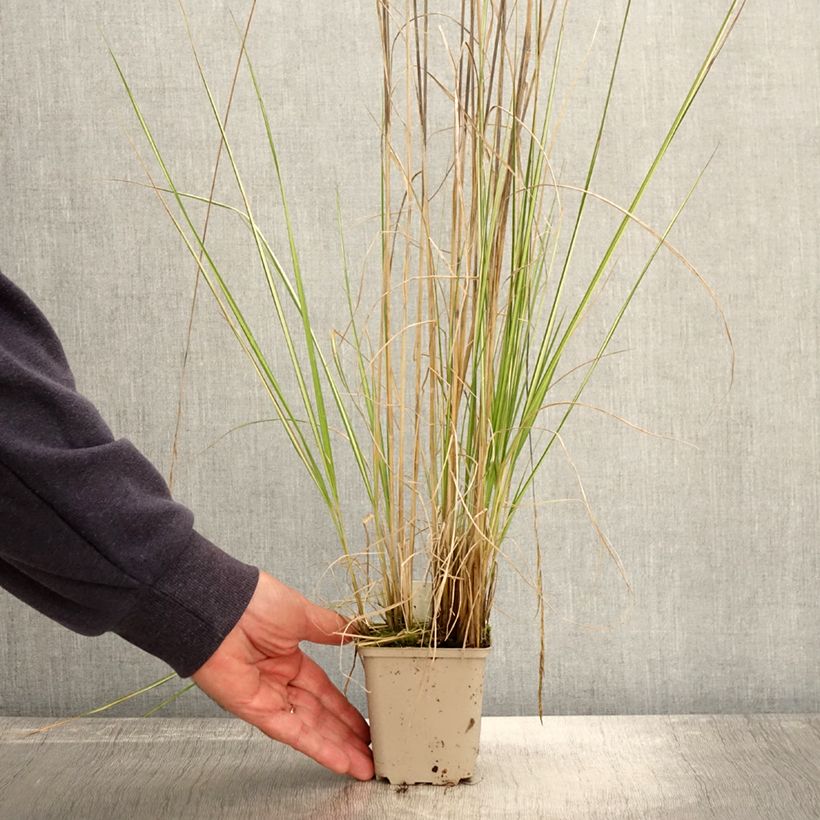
(720, 540)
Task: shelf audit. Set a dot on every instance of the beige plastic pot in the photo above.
(425, 711)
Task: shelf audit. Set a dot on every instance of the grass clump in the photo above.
(437, 397)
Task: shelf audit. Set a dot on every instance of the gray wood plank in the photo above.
(677, 767)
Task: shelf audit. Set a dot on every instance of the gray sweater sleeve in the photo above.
(89, 533)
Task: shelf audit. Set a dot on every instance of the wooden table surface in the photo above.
(695, 766)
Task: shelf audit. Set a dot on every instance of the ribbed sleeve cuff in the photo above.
(185, 615)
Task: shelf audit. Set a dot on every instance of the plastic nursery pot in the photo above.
(425, 711)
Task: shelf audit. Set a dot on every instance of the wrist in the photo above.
(186, 613)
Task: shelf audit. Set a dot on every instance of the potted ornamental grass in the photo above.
(436, 392)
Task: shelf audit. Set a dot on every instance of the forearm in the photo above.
(89, 533)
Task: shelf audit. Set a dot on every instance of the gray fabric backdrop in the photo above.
(720, 540)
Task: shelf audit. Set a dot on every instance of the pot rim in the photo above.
(424, 652)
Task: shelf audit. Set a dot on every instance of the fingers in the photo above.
(309, 708)
(314, 679)
(321, 623)
(293, 730)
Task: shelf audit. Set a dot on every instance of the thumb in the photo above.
(320, 624)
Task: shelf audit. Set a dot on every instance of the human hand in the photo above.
(260, 674)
